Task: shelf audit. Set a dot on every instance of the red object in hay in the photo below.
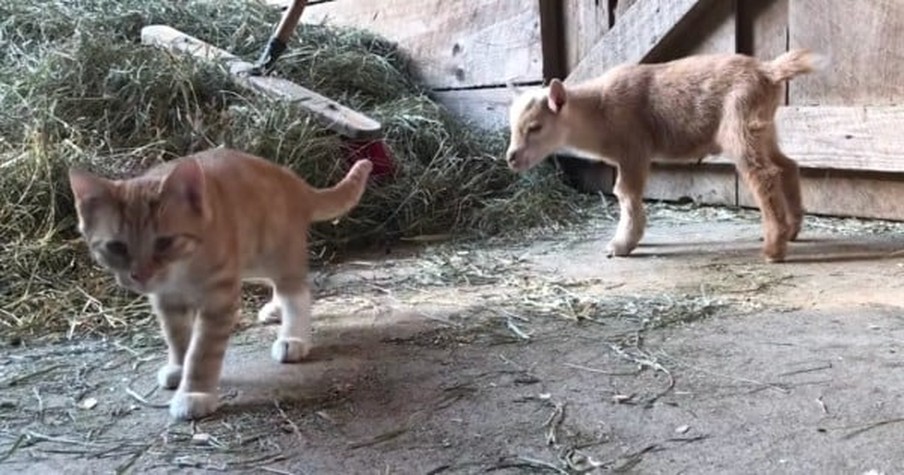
(374, 150)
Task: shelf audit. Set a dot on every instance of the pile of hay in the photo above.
(76, 86)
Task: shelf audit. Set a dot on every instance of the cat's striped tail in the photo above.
(331, 203)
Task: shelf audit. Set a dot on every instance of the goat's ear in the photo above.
(557, 96)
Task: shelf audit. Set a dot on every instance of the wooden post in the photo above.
(552, 39)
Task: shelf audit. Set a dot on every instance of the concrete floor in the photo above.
(463, 360)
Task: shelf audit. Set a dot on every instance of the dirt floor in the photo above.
(531, 356)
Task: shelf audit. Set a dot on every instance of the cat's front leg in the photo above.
(197, 394)
(176, 319)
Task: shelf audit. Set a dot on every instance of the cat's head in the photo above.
(142, 229)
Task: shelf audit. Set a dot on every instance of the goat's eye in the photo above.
(534, 128)
(163, 244)
(117, 248)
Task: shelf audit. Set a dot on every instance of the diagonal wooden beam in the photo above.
(642, 28)
(333, 115)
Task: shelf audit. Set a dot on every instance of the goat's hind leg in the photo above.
(791, 188)
(764, 179)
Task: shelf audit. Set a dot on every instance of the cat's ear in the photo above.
(88, 190)
(86, 187)
(186, 183)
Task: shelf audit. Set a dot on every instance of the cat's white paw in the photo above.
(187, 406)
(270, 313)
(169, 376)
(290, 350)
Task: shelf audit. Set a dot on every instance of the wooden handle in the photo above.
(331, 114)
(289, 21)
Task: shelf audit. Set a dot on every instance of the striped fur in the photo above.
(188, 232)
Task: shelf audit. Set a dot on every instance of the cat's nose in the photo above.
(141, 274)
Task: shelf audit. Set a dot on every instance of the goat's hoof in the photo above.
(618, 249)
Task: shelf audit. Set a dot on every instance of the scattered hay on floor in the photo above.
(77, 87)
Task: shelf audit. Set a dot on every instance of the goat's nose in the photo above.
(511, 156)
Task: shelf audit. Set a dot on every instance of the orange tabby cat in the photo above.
(187, 232)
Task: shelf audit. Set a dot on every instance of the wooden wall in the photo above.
(465, 51)
(841, 126)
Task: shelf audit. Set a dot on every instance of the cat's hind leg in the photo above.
(293, 298)
(271, 312)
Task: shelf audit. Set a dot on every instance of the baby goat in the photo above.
(684, 109)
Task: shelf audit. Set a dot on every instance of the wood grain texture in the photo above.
(842, 193)
(636, 34)
(552, 39)
(712, 32)
(585, 23)
(483, 108)
(453, 43)
(622, 6)
(331, 114)
(846, 138)
(769, 26)
(704, 184)
(864, 42)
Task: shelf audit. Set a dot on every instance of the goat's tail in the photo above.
(794, 63)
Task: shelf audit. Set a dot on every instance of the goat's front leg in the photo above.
(632, 219)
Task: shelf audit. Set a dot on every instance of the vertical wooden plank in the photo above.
(552, 39)
(765, 25)
(863, 40)
(585, 22)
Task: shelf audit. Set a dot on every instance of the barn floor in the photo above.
(538, 356)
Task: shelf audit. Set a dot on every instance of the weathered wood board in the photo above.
(585, 23)
(483, 108)
(865, 43)
(638, 32)
(766, 23)
(331, 114)
(842, 193)
(453, 44)
(706, 184)
(846, 138)
(713, 32)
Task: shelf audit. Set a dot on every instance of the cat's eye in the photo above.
(534, 128)
(117, 248)
(163, 244)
